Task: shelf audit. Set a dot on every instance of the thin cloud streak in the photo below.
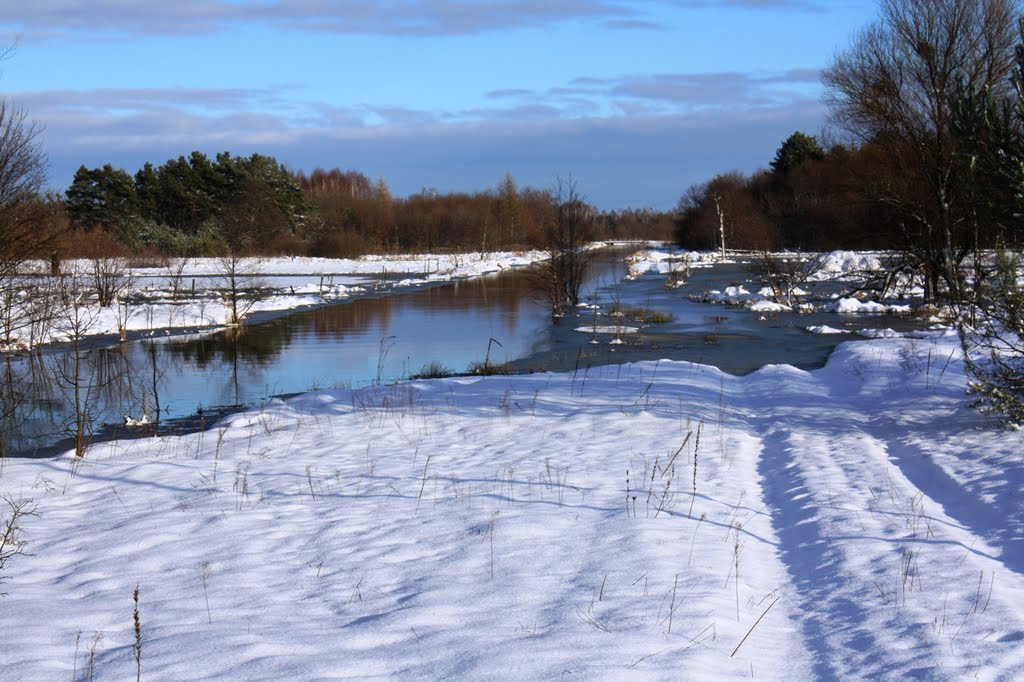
(800, 5)
(679, 93)
(585, 97)
(713, 89)
(68, 18)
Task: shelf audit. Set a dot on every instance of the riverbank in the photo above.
(189, 294)
(181, 376)
(193, 294)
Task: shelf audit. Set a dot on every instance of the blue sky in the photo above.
(634, 100)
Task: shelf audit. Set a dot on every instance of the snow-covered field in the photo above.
(652, 521)
(187, 293)
(659, 520)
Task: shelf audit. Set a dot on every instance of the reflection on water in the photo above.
(348, 344)
(380, 340)
(371, 340)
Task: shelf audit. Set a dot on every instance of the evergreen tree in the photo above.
(101, 197)
(147, 192)
(990, 132)
(178, 206)
(797, 148)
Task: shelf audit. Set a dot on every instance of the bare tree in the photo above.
(242, 285)
(721, 221)
(26, 309)
(23, 217)
(562, 275)
(75, 320)
(111, 278)
(12, 542)
(24, 233)
(895, 88)
(786, 274)
(22, 176)
(175, 269)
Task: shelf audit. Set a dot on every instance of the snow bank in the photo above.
(853, 306)
(734, 295)
(150, 305)
(667, 260)
(646, 521)
(766, 306)
(839, 264)
(825, 329)
(738, 295)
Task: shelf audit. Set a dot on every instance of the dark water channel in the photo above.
(379, 340)
(731, 338)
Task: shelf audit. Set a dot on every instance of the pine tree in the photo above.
(990, 132)
(797, 148)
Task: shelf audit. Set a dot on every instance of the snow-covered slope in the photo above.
(650, 521)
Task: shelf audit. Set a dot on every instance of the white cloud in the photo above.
(62, 19)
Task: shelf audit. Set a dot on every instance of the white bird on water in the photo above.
(130, 421)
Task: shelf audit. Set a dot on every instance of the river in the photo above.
(189, 380)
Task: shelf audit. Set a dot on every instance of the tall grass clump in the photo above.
(433, 370)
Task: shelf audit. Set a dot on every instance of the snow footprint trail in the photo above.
(890, 585)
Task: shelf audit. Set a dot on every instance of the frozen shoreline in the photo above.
(149, 304)
(188, 294)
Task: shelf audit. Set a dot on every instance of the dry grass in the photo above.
(642, 314)
(433, 370)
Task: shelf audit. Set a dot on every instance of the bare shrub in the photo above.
(12, 543)
(786, 274)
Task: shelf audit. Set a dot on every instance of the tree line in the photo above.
(200, 206)
(927, 100)
(811, 198)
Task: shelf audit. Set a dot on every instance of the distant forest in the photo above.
(200, 206)
(810, 198)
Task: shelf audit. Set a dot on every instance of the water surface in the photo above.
(190, 380)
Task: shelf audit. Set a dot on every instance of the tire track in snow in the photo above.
(888, 582)
(814, 563)
(930, 434)
(998, 520)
